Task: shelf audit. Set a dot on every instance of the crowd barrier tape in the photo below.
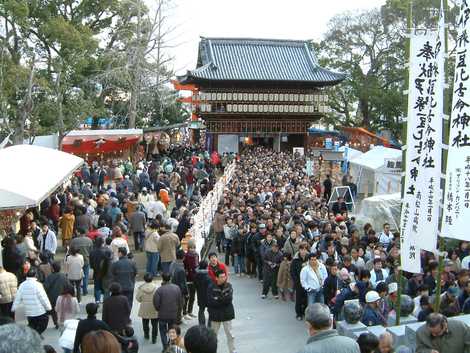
(202, 220)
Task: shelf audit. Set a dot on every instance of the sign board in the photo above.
(299, 150)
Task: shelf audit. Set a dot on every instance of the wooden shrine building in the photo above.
(258, 91)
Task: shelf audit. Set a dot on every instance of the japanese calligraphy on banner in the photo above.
(420, 211)
(457, 186)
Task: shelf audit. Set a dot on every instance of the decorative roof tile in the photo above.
(245, 59)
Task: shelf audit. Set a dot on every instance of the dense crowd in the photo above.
(275, 224)
(108, 214)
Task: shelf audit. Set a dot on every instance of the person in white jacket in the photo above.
(312, 278)
(67, 338)
(378, 274)
(47, 240)
(33, 297)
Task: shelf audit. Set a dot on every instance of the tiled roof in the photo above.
(243, 59)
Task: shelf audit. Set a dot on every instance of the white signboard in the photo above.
(457, 186)
(421, 56)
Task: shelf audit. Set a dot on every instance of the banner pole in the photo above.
(404, 142)
(445, 139)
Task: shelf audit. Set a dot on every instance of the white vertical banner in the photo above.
(429, 178)
(457, 185)
(422, 62)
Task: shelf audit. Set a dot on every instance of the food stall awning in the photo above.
(31, 173)
(100, 141)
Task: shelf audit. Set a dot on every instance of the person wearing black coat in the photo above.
(98, 262)
(300, 260)
(272, 260)
(116, 310)
(12, 259)
(54, 286)
(202, 282)
(220, 305)
(178, 277)
(331, 284)
(124, 272)
(91, 323)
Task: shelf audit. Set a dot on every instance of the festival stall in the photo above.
(377, 171)
(102, 145)
(363, 139)
(30, 174)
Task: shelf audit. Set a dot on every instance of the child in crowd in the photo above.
(284, 279)
(129, 342)
(174, 336)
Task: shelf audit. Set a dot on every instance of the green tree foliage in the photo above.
(369, 46)
(56, 57)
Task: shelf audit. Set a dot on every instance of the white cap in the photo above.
(392, 287)
(308, 218)
(372, 296)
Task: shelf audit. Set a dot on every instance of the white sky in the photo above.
(284, 19)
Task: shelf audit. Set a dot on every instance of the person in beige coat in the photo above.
(8, 287)
(74, 269)
(284, 279)
(151, 248)
(167, 245)
(218, 226)
(147, 310)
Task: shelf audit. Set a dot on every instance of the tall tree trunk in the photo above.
(60, 112)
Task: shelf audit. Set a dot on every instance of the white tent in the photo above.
(379, 209)
(31, 173)
(377, 171)
(351, 154)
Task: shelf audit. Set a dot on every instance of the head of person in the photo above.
(200, 339)
(220, 277)
(180, 254)
(436, 324)
(45, 227)
(213, 259)
(100, 342)
(122, 252)
(91, 309)
(386, 228)
(55, 267)
(368, 342)
(317, 318)
(386, 343)
(275, 247)
(312, 259)
(115, 288)
(16, 338)
(333, 268)
(382, 289)
(377, 264)
(174, 332)
(166, 277)
(68, 290)
(148, 278)
(303, 250)
(372, 298)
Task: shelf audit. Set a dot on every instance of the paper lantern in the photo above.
(250, 96)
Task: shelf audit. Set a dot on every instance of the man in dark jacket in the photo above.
(54, 286)
(124, 272)
(221, 311)
(137, 227)
(98, 262)
(300, 260)
(178, 277)
(202, 282)
(168, 301)
(330, 286)
(116, 310)
(91, 323)
(272, 261)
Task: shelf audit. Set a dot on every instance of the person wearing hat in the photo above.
(372, 315)
(392, 297)
(449, 302)
(272, 260)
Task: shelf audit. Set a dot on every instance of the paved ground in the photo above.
(260, 326)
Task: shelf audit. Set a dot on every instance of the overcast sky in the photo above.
(286, 19)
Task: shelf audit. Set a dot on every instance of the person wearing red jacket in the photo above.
(214, 266)
(191, 261)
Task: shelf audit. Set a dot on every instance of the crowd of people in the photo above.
(275, 224)
(99, 224)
